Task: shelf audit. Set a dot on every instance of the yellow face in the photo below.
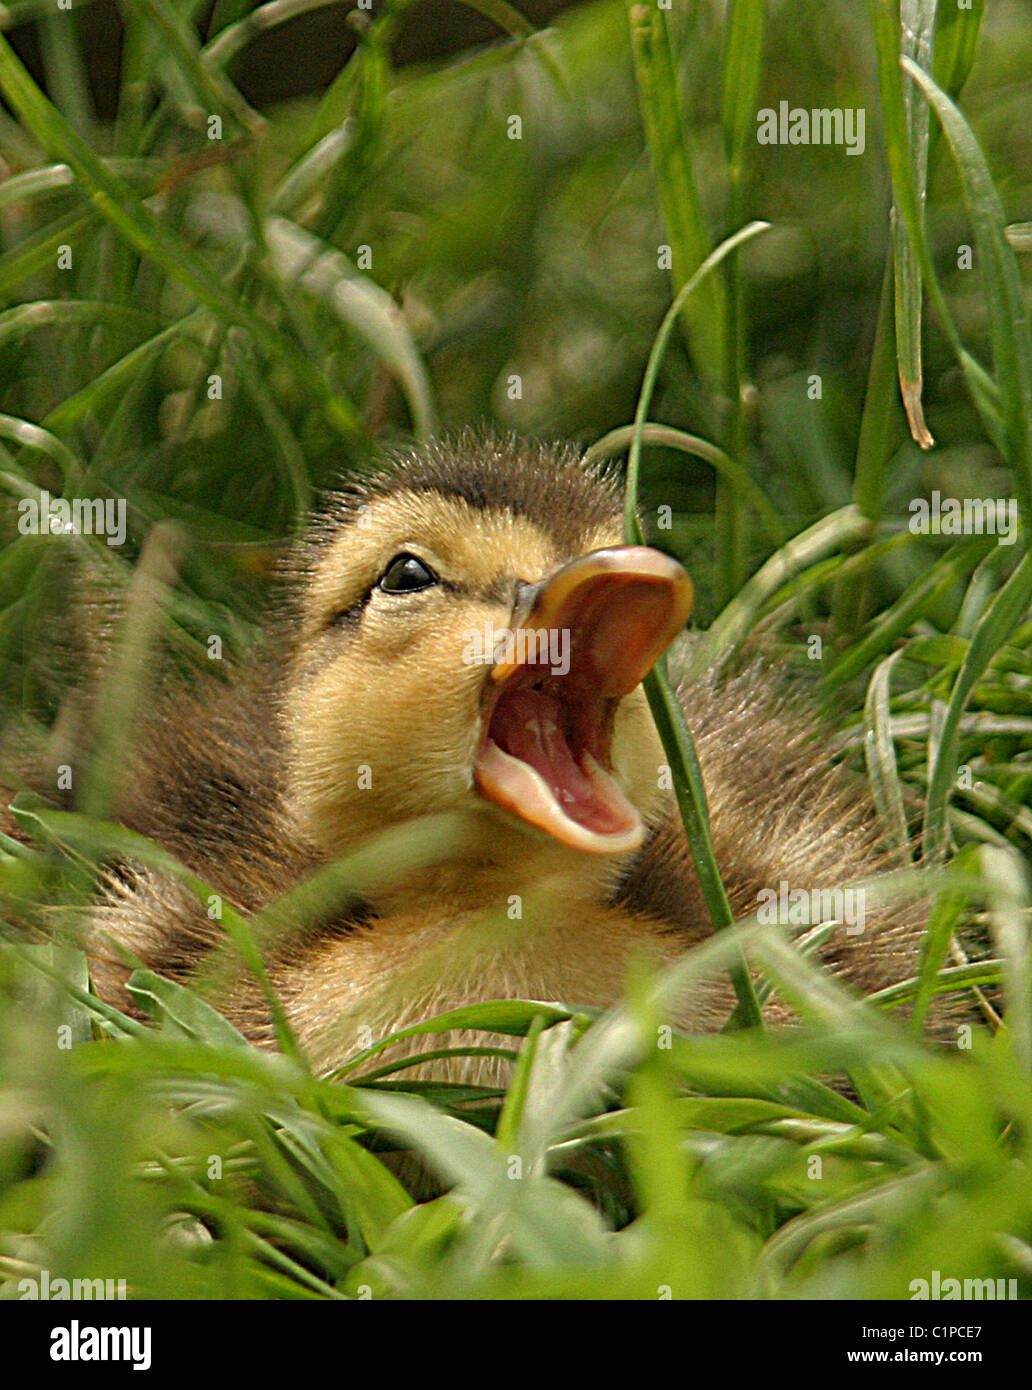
(392, 681)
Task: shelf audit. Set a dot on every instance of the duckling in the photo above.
(465, 633)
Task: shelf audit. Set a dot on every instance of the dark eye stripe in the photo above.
(501, 590)
(350, 617)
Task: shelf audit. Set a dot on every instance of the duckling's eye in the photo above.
(406, 574)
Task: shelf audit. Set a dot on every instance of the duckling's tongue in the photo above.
(527, 767)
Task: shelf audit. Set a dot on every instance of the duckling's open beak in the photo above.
(578, 643)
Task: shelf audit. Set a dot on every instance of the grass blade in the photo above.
(896, 620)
(328, 275)
(632, 527)
(691, 801)
(946, 916)
(665, 436)
(690, 241)
(1001, 276)
(880, 755)
(1009, 606)
(732, 626)
(917, 19)
(666, 711)
(956, 42)
(743, 60)
(1007, 882)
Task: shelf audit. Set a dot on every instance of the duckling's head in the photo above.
(470, 633)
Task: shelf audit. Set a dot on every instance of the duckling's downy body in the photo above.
(373, 705)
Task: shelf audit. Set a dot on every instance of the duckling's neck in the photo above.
(469, 932)
(499, 871)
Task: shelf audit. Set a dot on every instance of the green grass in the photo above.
(624, 1160)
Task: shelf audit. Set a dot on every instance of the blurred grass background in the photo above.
(364, 254)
